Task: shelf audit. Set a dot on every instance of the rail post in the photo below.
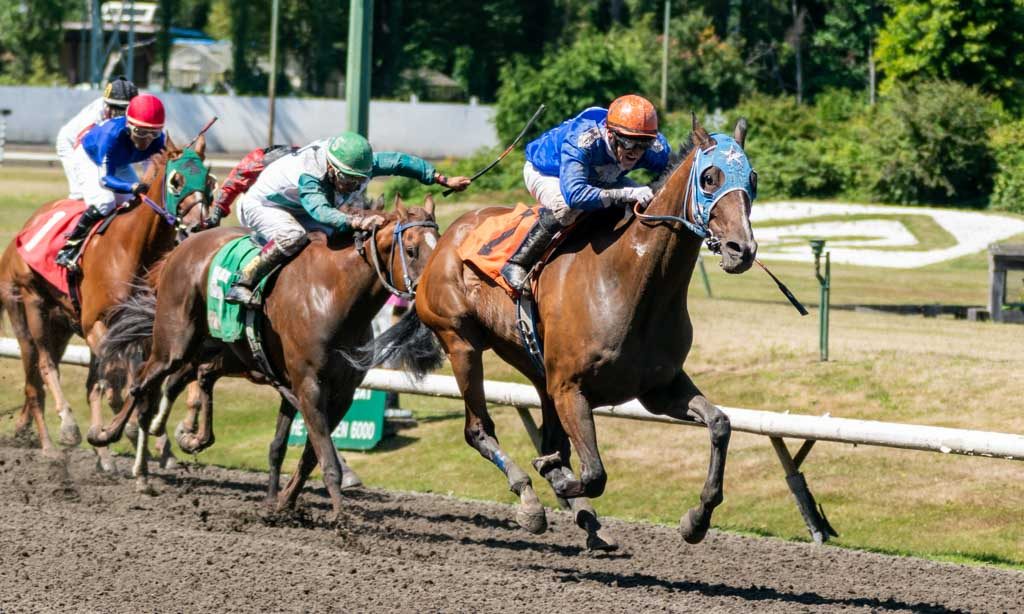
(3, 132)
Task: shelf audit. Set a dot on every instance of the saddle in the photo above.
(40, 240)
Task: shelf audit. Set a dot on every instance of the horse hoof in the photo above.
(599, 541)
(692, 532)
(169, 463)
(533, 520)
(143, 487)
(570, 489)
(349, 480)
(70, 435)
(106, 465)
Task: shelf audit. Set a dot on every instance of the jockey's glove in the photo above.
(365, 222)
(627, 196)
(216, 215)
(140, 188)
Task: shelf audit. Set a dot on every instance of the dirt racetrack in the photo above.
(72, 540)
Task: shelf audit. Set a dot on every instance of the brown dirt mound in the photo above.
(73, 540)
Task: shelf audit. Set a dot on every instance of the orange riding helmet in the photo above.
(633, 115)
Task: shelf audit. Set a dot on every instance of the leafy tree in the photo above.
(592, 72)
(843, 45)
(976, 42)
(30, 31)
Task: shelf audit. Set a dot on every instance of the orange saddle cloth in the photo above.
(41, 239)
(489, 246)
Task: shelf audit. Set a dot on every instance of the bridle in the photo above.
(396, 244)
(697, 204)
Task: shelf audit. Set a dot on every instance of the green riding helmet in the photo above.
(351, 154)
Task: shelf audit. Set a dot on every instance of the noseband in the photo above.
(388, 279)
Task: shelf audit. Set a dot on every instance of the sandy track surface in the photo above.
(74, 540)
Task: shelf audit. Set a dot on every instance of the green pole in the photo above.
(704, 275)
(825, 289)
(357, 75)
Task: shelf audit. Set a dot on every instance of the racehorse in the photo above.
(613, 323)
(44, 318)
(322, 301)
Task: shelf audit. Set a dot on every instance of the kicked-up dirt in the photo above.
(72, 540)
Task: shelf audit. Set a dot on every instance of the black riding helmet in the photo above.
(119, 93)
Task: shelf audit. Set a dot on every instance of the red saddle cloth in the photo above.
(489, 246)
(41, 239)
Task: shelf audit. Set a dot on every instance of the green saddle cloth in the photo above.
(227, 320)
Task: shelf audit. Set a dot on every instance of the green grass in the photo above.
(751, 350)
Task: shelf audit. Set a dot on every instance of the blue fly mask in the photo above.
(727, 156)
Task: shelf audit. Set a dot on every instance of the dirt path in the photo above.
(71, 540)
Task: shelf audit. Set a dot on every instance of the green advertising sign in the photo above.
(361, 429)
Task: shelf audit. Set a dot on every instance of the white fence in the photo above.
(433, 130)
(774, 425)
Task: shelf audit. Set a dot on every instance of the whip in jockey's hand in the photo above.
(581, 165)
(457, 184)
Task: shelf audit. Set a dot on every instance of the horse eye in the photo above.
(175, 183)
(412, 251)
(708, 179)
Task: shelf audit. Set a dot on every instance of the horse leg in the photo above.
(682, 400)
(467, 364)
(278, 448)
(317, 419)
(97, 388)
(577, 419)
(35, 398)
(555, 467)
(40, 329)
(202, 437)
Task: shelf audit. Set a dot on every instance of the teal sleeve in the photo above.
(386, 163)
(314, 200)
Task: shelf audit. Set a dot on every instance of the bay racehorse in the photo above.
(322, 301)
(44, 318)
(613, 324)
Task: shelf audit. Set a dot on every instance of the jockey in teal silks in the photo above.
(581, 165)
(301, 191)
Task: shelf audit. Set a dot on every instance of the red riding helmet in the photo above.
(146, 111)
(633, 115)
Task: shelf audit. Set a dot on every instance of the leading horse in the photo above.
(613, 323)
(44, 318)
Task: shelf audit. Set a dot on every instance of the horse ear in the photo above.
(699, 136)
(200, 146)
(403, 213)
(169, 144)
(428, 205)
(740, 132)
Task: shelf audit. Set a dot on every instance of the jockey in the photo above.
(301, 192)
(581, 165)
(245, 173)
(112, 104)
(101, 165)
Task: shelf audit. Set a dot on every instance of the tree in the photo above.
(977, 42)
(844, 45)
(30, 31)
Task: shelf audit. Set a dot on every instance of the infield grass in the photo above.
(754, 353)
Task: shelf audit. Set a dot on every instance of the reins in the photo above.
(387, 281)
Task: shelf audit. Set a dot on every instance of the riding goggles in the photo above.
(144, 133)
(633, 142)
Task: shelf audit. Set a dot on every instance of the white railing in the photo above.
(775, 425)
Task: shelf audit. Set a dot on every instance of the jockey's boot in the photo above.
(68, 255)
(255, 270)
(517, 270)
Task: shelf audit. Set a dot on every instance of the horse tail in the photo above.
(129, 328)
(407, 345)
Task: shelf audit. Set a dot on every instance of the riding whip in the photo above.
(782, 287)
(201, 132)
(508, 149)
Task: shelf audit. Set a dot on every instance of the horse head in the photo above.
(409, 237)
(722, 187)
(188, 187)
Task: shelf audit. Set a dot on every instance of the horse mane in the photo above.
(675, 159)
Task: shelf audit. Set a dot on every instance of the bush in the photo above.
(1007, 145)
(931, 144)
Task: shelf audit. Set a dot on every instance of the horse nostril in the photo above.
(734, 247)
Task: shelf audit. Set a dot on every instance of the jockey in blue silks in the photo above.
(581, 165)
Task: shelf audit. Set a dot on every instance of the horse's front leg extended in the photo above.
(682, 400)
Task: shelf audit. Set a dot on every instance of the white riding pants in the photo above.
(84, 177)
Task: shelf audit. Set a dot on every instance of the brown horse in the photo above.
(613, 324)
(44, 318)
(322, 301)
